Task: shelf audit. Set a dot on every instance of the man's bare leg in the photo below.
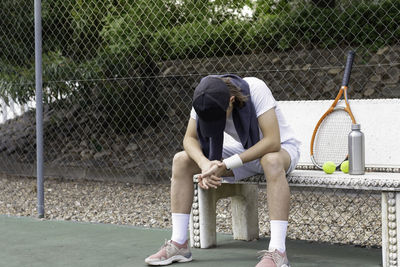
(183, 169)
(278, 193)
(278, 196)
(177, 249)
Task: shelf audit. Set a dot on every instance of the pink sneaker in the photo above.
(273, 259)
(170, 252)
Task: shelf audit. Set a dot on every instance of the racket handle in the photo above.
(347, 70)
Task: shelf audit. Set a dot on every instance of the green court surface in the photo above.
(32, 242)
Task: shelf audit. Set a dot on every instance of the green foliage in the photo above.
(200, 39)
(16, 45)
(18, 82)
(119, 40)
(278, 26)
(359, 24)
(270, 7)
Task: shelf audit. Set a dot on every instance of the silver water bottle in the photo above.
(356, 150)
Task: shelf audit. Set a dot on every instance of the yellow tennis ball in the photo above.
(329, 167)
(344, 167)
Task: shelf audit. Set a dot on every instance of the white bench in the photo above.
(380, 122)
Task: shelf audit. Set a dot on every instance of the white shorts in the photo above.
(231, 147)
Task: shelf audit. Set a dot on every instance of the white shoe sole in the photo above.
(177, 258)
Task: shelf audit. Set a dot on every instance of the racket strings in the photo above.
(331, 141)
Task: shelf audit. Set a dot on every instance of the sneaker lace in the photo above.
(166, 244)
(267, 254)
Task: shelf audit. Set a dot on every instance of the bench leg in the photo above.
(390, 223)
(203, 229)
(194, 222)
(245, 213)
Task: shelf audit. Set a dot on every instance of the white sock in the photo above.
(278, 235)
(180, 223)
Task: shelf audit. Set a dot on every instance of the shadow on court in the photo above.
(32, 242)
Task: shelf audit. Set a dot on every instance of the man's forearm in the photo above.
(261, 148)
(193, 149)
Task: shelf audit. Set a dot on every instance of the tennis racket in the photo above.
(329, 139)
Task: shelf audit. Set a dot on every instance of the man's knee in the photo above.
(183, 162)
(183, 167)
(273, 165)
(180, 157)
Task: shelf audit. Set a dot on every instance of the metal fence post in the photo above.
(39, 107)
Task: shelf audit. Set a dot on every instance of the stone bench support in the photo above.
(244, 213)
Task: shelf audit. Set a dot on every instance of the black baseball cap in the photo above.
(210, 101)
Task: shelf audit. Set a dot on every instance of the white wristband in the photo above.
(233, 162)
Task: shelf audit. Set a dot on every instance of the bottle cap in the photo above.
(356, 126)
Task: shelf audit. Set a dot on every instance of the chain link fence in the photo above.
(118, 75)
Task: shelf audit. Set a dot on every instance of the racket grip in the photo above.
(347, 70)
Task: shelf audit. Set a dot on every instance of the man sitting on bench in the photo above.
(257, 140)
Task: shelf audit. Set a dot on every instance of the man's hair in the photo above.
(235, 91)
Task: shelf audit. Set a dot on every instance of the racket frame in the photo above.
(333, 107)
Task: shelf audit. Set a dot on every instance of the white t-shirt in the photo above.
(263, 100)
